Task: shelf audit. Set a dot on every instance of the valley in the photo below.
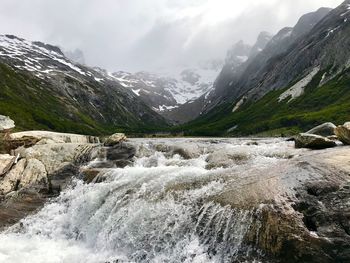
(155, 146)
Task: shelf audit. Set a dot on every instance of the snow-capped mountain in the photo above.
(237, 57)
(300, 79)
(64, 95)
(75, 55)
(166, 91)
(44, 60)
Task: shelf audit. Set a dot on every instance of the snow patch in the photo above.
(166, 108)
(331, 31)
(242, 58)
(136, 91)
(298, 89)
(239, 104)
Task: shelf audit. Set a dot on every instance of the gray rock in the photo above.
(115, 139)
(343, 133)
(54, 137)
(6, 162)
(34, 174)
(11, 181)
(6, 123)
(325, 129)
(312, 141)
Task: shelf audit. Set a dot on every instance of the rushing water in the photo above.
(160, 209)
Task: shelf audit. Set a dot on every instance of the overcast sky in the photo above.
(150, 34)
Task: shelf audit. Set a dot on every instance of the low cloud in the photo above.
(150, 35)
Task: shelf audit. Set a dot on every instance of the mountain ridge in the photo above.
(307, 68)
(41, 88)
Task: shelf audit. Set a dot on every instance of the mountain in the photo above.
(76, 56)
(42, 89)
(165, 92)
(236, 57)
(300, 79)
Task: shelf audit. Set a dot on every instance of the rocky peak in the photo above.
(237, 54)
(308, 21)
(261, 42)
(48, 47)
(76, 55)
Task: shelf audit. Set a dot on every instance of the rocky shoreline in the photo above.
(300, 210)
(38, 165)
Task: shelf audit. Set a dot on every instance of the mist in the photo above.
(150, 35)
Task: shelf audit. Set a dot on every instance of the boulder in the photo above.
(34, 174)
(312, 141)
(115, 139)
(56, 156)
(225, 158)
(6, 123)
(112, 157)
(343, 133)
(10, 182)
(53, 137)
(325, 129)
(6, 162)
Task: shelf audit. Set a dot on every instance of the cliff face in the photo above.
(298, 81)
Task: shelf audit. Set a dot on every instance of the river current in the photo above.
(162, 208)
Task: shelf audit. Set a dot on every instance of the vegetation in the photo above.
(33, 104)
(268, 116)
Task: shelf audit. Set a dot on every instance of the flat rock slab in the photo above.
(55, 136)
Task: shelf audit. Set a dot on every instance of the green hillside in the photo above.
(268, 116)
(34, 103)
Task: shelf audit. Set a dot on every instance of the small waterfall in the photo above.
(159, 209)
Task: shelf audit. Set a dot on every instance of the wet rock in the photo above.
(43, 170)
(115, 139)
(311, 141)
(121, 152)
(62, 178)
(6, 123)
(252, 143)
(225, 159)
(343, 133)
(189, 151)
(6, 162)
(325, 129)
(90, 174)
(19, 204)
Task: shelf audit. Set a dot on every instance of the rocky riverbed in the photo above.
(74, 199)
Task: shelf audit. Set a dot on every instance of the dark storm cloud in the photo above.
(140, 34)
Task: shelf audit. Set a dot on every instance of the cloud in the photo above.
(148, 35)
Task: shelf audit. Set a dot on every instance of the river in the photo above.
(170, 205)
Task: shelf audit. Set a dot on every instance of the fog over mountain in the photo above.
(150, 35)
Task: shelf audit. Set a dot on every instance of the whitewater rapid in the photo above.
(161, 208)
